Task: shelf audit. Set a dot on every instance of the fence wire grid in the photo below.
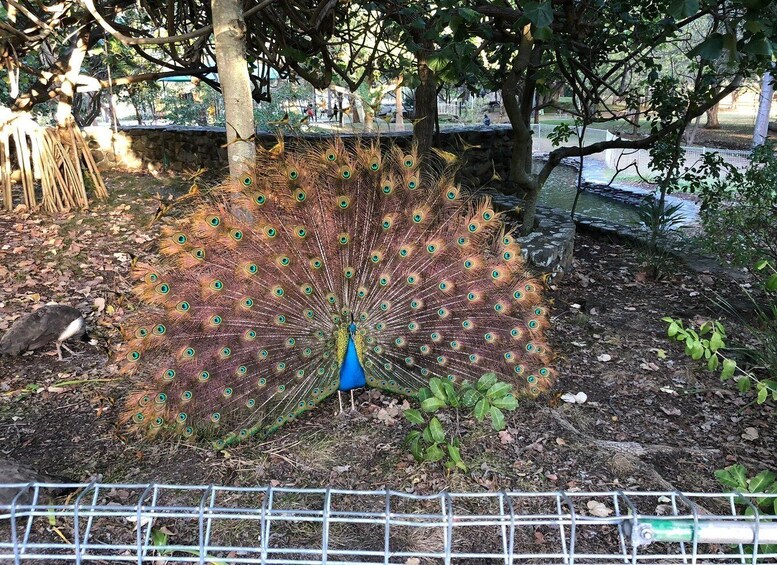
(155, 523)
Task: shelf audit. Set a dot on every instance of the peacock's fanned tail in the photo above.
(248, 312)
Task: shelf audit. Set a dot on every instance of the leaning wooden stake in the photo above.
(46, 164)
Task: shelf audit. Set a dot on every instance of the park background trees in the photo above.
(665, 62)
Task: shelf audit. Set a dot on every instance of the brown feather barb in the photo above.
(249, 310)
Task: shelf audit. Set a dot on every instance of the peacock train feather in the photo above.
(325, 270)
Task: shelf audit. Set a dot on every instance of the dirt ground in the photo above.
(653, 419)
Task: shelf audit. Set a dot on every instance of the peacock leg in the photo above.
(73, 353)
(340, 400)
(353, 404)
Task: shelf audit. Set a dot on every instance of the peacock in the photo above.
(326, 270)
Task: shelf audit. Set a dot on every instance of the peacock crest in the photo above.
(323, 269)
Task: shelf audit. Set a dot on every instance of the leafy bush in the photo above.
(708, 344)
(488, 398)
(739, 208)
(735, 477)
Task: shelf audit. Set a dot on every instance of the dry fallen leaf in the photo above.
(596, 508)
(604, 357)
(750, 434)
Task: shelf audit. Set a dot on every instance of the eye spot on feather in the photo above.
(280, 319)
(343, 202)
(216, 285)
(249, 335)
(488, 214)
(213, 221)
(180, 238)
(133, 356)
(384, 280)
(251, 268)
(412, 326)
(247, 303)
(198, 253)
(316, 263)
(462, 241)
(278, 291)
(241, 370)
(489, 337)
(141, 333)
(443, 312)
(215, 321)
(416, 304)
(345, 172)
(292, 173)
(300, 232)
(387, 188)
(408, 161)
(227, 392)
(260, 199)
(163, 288)
(235, 234)
(270, 232)
(151, 278)
(343, 238)
(349, 272)
(182, 306)
(300, 195)
(412, 183)
(169, 374)
(247, 180)
(203, 376)
(467, 324)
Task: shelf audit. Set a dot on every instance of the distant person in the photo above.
(310, 113)
(335, 110)
(486, 120)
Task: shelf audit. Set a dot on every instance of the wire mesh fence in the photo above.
(152, 523)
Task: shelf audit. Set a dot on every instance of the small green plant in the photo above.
(764, 482)
(708, 344)
(488, 398)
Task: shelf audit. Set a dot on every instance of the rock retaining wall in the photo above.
(178, 148)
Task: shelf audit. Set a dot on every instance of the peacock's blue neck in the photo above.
(351, 371)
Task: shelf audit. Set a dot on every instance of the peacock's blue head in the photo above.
(352, 329)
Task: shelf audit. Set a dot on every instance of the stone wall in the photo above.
(177, 148)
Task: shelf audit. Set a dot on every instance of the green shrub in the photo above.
(488, 398)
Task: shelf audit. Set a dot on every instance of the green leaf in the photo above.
(455, 454)
(471, 396)
(486, 382)
(435, 429)
(414, 416)
(469, 14)
(729, 365)
(761, 481)
(759, 45)
(716, 342)
(450, 394)
(680, 9)
(709, 49)
(763, 393)
(435, 385)
(481, 409)
(672, 329)
(498, 390)
(733, 476)
(413, 435)
(697, 351)
(432, 404)
(423, 394)
(713, 363)
(497, 419)
(540, 14)
(761, 265)
(744, 384)
(771, 283)
(507, 402)
(158, 538)
(433, 453)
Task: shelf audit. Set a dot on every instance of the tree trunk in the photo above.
(229, 31)
(712, 118)
(764, 106)
(425, 104)
(400, 119)
(67, 89)
(517, 95)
